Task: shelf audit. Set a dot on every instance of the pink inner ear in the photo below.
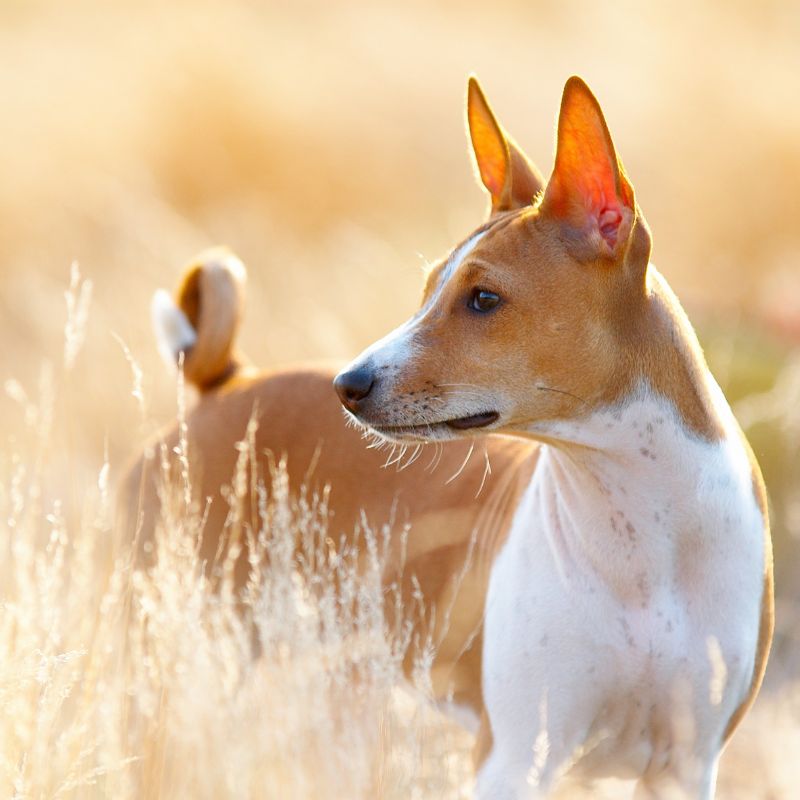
(599, 198)
(609, 221)
(588, 187)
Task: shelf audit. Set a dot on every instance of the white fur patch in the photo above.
(173, 330)
(635, 545)
(455, 260)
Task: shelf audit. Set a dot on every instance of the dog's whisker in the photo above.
(399, 458)
(561, 391)
(437, 448)
(463, 466)
(403, 451)
(487, 470)
(414, 456)
(395, 458)
(389, 459)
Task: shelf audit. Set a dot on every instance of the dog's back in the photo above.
(455, 498)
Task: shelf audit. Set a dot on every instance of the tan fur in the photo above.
(591, 334)
(211, 294)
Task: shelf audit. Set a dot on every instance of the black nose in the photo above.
(354, 386)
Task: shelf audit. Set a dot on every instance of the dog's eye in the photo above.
(483, 301)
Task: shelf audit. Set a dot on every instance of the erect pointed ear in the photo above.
(588, 190)
(505, 171)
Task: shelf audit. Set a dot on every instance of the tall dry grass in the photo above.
(125, 681)
(118, 680)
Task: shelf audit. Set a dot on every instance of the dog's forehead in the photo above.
(482, 238)
(448, 266)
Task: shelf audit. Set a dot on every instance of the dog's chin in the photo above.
(434, 431)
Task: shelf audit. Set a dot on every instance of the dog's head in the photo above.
(533, 316)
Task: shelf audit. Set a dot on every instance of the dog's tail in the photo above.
(201, 321)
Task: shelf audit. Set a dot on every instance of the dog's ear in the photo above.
(588, 191)
(505, 171)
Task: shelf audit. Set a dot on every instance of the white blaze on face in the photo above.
(395, 349)
(455, 260)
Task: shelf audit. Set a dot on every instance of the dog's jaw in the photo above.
(441, 430)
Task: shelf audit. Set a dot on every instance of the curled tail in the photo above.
(202, 319)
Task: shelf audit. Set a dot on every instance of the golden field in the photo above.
(324, 143)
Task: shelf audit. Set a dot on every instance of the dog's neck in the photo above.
(627, 490)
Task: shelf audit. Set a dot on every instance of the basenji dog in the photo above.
(604, 558)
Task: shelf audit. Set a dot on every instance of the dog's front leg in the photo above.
(527, 750)
(499, 780)
(692, 779)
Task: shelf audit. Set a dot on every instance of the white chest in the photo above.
(628, 592)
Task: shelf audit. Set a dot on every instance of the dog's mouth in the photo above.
(475, 421)
(441, 429)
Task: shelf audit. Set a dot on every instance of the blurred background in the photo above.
(324, 142)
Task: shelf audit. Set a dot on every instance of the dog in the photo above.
(606, 565)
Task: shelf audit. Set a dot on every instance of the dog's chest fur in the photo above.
(628, 587)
